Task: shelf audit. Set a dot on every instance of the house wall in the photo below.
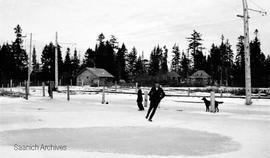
(86, 78)
(199, 81)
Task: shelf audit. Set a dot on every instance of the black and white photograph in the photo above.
(134, 79)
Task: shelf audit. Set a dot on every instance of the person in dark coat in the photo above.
(156, 94)
(140, 99)
(50, 87)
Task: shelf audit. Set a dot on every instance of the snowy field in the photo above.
(88, 128)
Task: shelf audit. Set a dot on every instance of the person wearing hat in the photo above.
(156, 94)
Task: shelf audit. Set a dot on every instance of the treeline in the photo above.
(224, 66)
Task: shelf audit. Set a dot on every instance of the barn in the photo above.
(93, 77)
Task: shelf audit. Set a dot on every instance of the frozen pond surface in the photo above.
(180, 129)
(126, 140)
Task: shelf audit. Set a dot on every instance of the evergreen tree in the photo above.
(214, 63)
(195, 46)
(164, 62)
(113, 42)
(75, 62)
(48, 62)
(89, 58)
(7, 66)
(228, 63)
(121, 62)
(20, 56)
(131, 61)
(67, 68)
(239, 66)
(35, 67)
(175, 66)
(155, 61)
(185, 67)
(34, 61)
(101, 38)
(267, 71)
(139, 67)
(257, 63)
(105, 55)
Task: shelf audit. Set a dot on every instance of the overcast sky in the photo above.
(139, 23)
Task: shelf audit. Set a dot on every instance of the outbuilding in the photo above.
(94, 77)
(199, 78)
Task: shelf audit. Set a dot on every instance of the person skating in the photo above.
(156, 94)
(139, 99)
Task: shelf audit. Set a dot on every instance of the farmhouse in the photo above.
(199, 78)
(93, 77)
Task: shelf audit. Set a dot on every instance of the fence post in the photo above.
(212, 100)
(50, 89)
(71, 84)
(43, 89)
(103, 95)
(221, 93)
(115, 86)
(26, 90)
(68, 93)
(11, 85)
(145, 98)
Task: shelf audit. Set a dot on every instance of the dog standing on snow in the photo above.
(208, 104)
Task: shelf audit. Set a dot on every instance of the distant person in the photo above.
(50, 89)
(156, 94)
(140, 98)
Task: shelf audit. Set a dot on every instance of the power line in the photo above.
(259, 7)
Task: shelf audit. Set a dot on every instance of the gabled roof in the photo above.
(200, 74)
(99, 72)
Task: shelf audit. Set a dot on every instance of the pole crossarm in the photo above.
(258, 11)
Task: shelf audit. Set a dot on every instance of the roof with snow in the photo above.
(200, 74)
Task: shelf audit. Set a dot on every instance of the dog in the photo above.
(208, 104)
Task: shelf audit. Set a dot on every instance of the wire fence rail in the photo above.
(220, 92)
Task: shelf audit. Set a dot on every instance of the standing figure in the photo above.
(140, 98)
(156, 94)
(50, 89)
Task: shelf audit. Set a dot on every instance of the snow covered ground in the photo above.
(88, 128)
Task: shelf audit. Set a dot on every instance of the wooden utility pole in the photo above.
(68, 93)
(247, 54)
(56, 62)
(29, 66)
(245, 18)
